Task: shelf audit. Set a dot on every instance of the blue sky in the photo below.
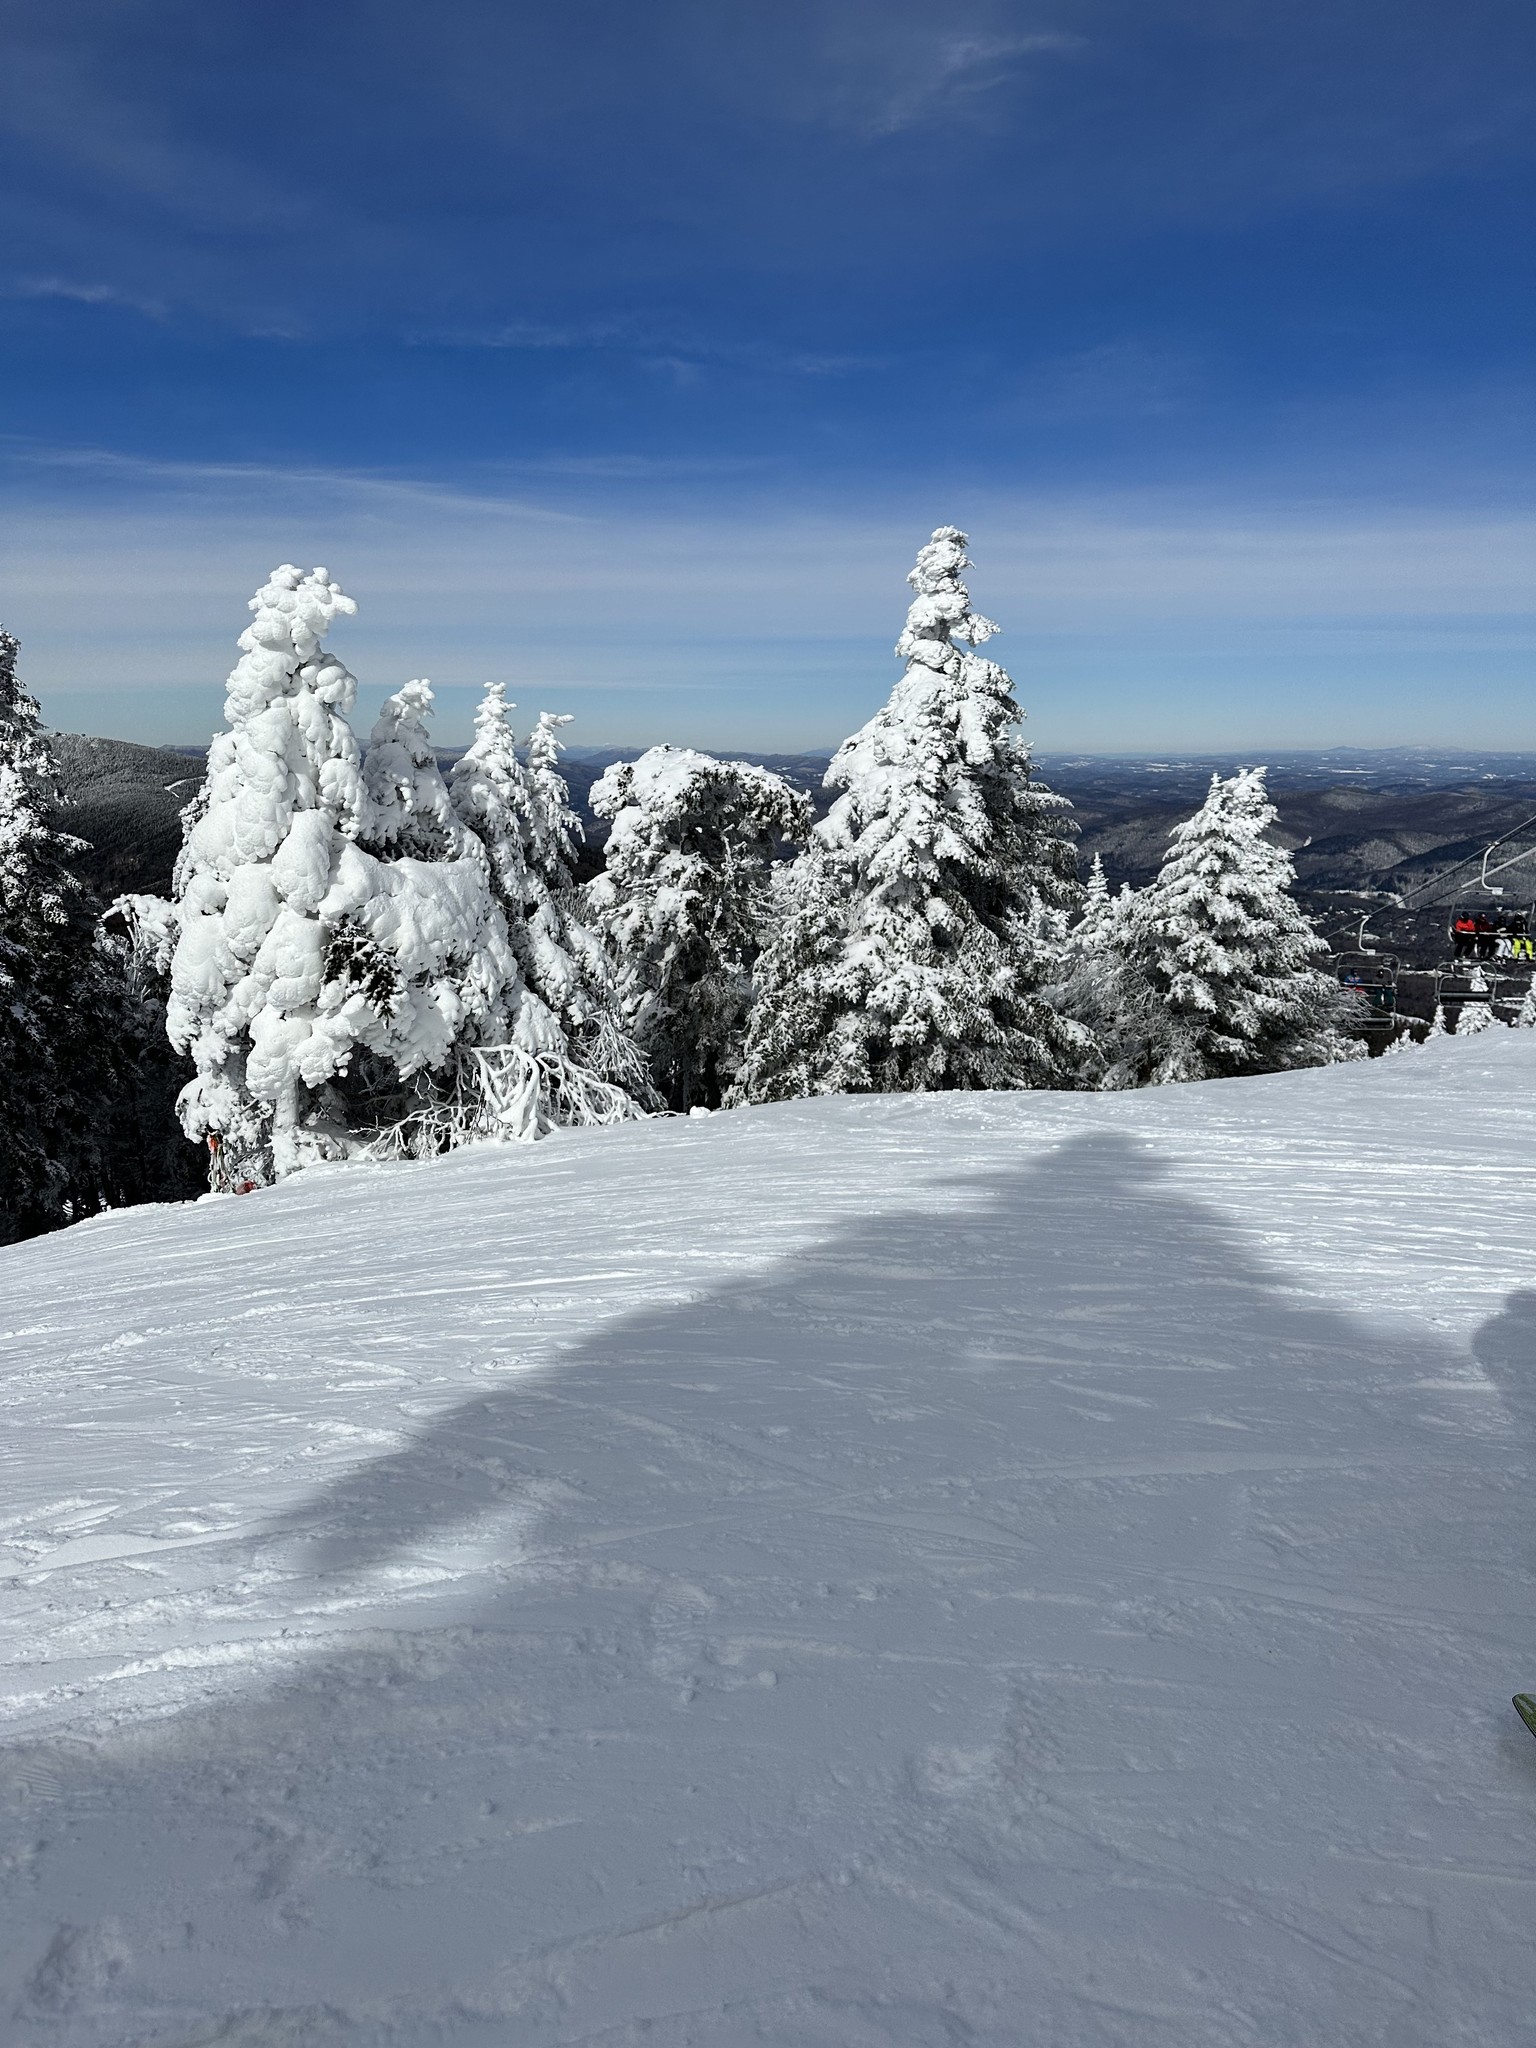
(629, 354)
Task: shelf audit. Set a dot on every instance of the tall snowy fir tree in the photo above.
(958, 879)
(83, 1091)
(684, 903)
(53, 1085)
(1215, 959)
(281, 802)
(522, 813)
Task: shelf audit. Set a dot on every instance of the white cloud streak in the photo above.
(1180, 620)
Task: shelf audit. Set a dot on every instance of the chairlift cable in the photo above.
(1472, 860)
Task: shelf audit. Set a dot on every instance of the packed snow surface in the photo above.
(983, 1569)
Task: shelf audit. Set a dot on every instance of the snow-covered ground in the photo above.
(976, 1569)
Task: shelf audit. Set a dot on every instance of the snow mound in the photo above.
(972, 1568)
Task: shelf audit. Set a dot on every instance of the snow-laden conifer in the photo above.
(1438, 1028)
(489, 789)
(410, 811)
(683, 903)
(522, 812)
(61, 1008)
(1097, 916)
(958, 874)
(1106, 987)
(795, 996)
(299, 952)
(1227, 954)
(1474, 1017)
(1526, 1018)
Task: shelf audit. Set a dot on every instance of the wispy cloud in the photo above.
(753, 616)
(959, 70)
(683, 353)
(83, 294)
(358, 486)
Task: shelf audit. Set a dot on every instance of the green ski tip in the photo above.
(1525, 1707)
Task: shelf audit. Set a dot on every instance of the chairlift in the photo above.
(1372, 976)
(1461, 983)
(1502, 932)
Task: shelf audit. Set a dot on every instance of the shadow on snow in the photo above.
(1032, 1618)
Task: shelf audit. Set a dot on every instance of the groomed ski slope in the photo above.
(1021, 1569)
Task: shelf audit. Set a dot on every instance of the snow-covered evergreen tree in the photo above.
(85, 1090)
(683, 904)
(410, 810)
(1438, 1028)
(298, 951)
(1097, 916)
(553, 827)
(958, 878)
(1474, 1017)
(523, 815)
(796, 1001)
(1106, 987)
(489, 788)
(1227, 954)
(60, 1014)
(1526, 1019)
(252, 956)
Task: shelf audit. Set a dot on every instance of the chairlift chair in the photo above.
(1371, 976)
(1504, 933)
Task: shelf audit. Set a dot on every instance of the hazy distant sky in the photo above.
(628, 352)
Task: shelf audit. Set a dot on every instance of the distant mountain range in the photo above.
(1364, 826)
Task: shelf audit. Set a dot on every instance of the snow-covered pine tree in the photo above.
(326, 992)
(795, 997)
(1105, 987)
(525, 1061)
(523, 815)
(1097, 916)
(489, 788)
(299, 954)
(281, 802)
(1474, 1017)
(553, 827)
(1227, 953)
(683, 904)
(958, 870)
(410, 811)
(60, 1010)
(1438, 1028)
(1526, 1019)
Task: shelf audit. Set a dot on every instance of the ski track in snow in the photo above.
(974, 1569)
